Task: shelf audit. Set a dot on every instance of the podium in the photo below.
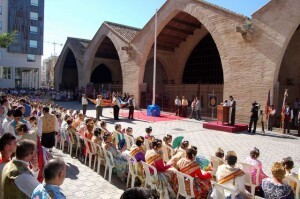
(223, 114)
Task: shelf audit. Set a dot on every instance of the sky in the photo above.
(82, 18)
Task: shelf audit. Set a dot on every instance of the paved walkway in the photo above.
(83, 182)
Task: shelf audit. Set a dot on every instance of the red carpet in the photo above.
(226, 128)
(142, 115)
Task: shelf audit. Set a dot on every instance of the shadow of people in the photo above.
(72, 171)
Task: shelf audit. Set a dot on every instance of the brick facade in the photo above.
(250, 63)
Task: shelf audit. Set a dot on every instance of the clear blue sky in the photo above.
(82, 18)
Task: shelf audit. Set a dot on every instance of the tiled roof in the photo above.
(127, 32)
(221, 8)
(80, 45)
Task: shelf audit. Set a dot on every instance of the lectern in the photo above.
(223, 114)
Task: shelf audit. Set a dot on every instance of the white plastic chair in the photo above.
(220, 190)
(215, 163)
(109, 163)
(149, 178)
(129, 141)
(78, 144)
(290, 180)
(248, 169)
(99, 157)
(166, 153)
(182, 178)
(132, 168)
(147, 144)
(89, 150)
(63, 139)
(71, 142)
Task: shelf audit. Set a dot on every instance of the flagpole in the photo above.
(154, 61)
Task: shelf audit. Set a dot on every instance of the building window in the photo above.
(32, 43)
(0, 25)
(34, 2)
(5, 72)
(0, 10)
(33, 29)
(34, 15)
(31, 58)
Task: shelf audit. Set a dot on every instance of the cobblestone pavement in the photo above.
(83, 182)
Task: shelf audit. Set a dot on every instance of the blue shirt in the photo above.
(46, 191)
(27, 110)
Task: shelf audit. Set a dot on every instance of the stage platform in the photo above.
(231, 129)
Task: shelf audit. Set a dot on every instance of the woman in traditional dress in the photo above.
(138, 151)
(190, 167)
(119, 160)
(288, 165)
(168, 140)
(231, 176)
(253, 160)
(274, 187)
(164, 176)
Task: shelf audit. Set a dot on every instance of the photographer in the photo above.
(253, 117)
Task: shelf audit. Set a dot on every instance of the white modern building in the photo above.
(20, 63)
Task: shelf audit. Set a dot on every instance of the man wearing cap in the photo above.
(131, 105)
(47, 127)
(99, 107)
(84, 103)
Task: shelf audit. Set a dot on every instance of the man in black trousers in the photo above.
(131, 105)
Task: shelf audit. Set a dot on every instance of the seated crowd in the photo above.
(26, 159)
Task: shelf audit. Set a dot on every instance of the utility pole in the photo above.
(54, 45)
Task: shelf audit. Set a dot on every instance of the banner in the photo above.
(212, 100)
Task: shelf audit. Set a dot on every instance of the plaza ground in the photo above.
(83, 182)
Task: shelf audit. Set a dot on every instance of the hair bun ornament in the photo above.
(219, 150)
(231, 153)
(256, 150)
(140, 139)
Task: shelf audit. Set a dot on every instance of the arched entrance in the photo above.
(69, 72)
(289, 76)
(101, 75)
(107, 72)
(191, 60)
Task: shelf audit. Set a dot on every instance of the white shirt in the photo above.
(26, 182)
(84, 101)
(178, 102)
(98, 102)
(116, 100)
(10, 129)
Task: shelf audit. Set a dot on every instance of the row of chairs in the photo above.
(247, 169)
(102, 156)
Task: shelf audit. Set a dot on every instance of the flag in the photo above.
(268, 105)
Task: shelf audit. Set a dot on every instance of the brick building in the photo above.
(201, 49)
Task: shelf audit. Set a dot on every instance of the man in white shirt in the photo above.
(98, 107)
(177, 106)
(84, 103)
(17, 180)
(116, 107)
(131, 105)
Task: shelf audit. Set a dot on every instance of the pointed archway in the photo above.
(69, 72)
(289, 76)
(101, 74)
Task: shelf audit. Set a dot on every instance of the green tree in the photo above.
(7, 38)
